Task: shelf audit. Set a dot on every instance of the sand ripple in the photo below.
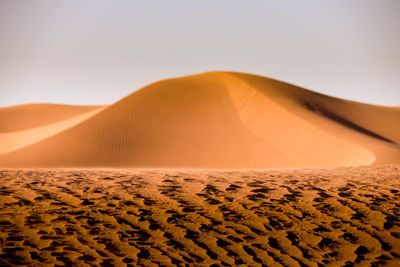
(337, 217)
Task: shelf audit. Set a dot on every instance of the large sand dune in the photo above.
(211, 120)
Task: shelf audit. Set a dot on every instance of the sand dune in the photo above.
(24, 117)
(11, 141)
(220, 120)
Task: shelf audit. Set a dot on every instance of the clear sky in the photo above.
(98, 51)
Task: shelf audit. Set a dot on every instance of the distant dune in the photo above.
(210, 120)
(24, 117)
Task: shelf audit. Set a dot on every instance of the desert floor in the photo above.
(300, 217)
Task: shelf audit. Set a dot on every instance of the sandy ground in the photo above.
(310, 217)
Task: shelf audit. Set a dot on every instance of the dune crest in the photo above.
(216, 120)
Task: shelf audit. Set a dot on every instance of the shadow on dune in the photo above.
(344, 122)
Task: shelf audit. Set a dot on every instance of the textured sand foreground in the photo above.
(311, 217)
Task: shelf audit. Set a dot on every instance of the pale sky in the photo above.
(98, 51)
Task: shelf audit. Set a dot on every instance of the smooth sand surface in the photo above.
(218, 120)
(28, 116)
(313, 217)
(11, 141)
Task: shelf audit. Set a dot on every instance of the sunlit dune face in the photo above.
(11, 141)
(300, 140)
(29, 116)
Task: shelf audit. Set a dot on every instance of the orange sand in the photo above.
(59, 207)
(23, 117)
(315, 217)
(210, 120)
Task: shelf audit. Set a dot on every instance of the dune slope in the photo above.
(11, 141)
(23, 117)
(222, 120)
